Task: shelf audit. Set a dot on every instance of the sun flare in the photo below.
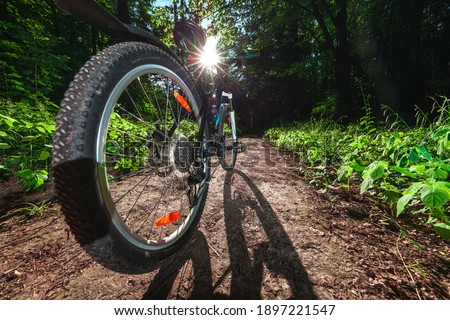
(210, 57)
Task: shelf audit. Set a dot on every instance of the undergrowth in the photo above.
(405, 167)
(26, 131)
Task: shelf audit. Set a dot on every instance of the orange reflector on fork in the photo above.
(168, 219)
(182, 101)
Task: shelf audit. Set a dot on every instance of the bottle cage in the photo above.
(189, 36)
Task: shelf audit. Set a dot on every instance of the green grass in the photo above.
(405, 167)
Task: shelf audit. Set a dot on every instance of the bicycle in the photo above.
(133, 143)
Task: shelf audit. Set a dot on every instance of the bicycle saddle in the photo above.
(189, 36)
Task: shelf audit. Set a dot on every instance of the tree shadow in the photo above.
(277, 252)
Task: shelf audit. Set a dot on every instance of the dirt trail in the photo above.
(265, 234)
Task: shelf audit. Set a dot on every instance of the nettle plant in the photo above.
(406, 168)
(26, 133)
(415, 169)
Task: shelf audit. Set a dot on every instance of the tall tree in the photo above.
(30, 63)
(331, 17)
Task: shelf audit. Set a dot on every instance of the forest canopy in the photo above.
(325, 57)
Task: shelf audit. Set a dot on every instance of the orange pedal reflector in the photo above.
(182, 101)
(168, 219)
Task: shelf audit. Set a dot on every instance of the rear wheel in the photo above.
(123, 152)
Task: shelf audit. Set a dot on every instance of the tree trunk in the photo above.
(4, 10)
(340, 50)
(342, 76)
(342, 63)
(175, 11)
(416, 93)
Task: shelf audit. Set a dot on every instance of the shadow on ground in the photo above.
(246, 262)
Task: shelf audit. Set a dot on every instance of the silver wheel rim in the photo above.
(116, 215)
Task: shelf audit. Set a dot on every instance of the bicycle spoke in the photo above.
(157, 102)
(134, 104)
(137, 199)
(147, 163)
(130, 190)
(148, 98)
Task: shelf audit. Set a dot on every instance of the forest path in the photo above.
(265, 233)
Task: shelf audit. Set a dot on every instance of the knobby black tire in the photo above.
(228, 153)
(78, 176)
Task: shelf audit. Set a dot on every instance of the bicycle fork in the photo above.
(238, 146)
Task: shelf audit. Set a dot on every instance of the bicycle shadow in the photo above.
(192, 264)
(195, 251)
(277, 252)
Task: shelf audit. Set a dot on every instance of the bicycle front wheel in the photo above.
(228, 149)
(123, 152)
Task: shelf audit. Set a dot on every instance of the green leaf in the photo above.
(8, 120)
(441, 132)
(403, 201)
(375, 170)
(434, 196)
(442, 229)
(424, 153)
(438, 214)
(29, 184)
(44, 155)
(50, 128)
(402, 161)
(436, 173)
(29, 138)
(419, 168)
(366, 184)
(4, 146)
(414, 188)
(444, 166)
(357, 167)
(39, 183)
(413, 156)
(403, 171)
(344, 172)
(25, 174)
(391, 196)
(417, 244)
(414, 242)
(41, 129)
(42, 174)
(444, 184)
(441, 147)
